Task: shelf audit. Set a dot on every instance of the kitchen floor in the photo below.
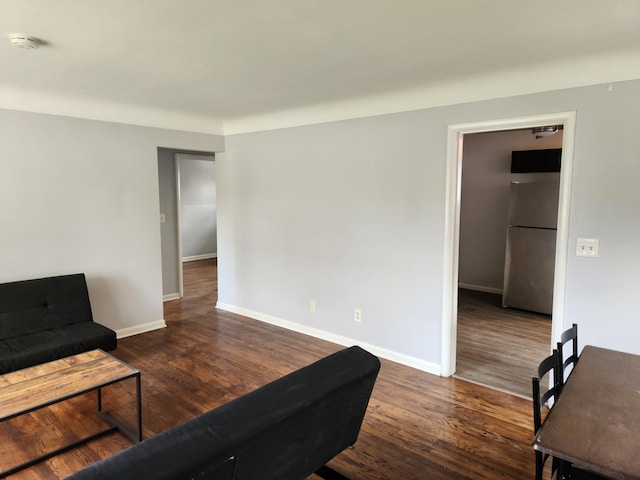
(499, 347)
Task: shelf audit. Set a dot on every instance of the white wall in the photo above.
(486, 176)
(82, 196)
(351, 214)
(336, 213)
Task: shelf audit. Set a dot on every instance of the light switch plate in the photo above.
(587, 247)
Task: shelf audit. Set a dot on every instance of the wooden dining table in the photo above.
(595, 423)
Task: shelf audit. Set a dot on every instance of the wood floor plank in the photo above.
(418, 426)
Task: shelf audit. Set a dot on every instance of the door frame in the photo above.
(176, 158)
(455, 141)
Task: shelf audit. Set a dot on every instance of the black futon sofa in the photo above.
(46, 319)
(285, 430)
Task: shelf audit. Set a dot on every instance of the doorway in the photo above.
(187, 214)
(455, 146)
(197, 209)
(500, 347)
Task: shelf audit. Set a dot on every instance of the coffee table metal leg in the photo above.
(139, 405)
(134, 436)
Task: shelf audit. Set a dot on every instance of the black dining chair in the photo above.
(554, 366)
(570, 335)
(549, 368)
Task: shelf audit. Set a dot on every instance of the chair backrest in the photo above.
(570, 335)
(550, 368)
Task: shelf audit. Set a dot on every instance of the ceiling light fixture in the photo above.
(547, 131)
(24, 41)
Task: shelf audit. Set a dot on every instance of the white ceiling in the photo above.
(207, 64)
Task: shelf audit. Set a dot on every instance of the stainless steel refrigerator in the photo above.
(531, 246)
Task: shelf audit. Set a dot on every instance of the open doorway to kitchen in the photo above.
(481, 291)
(499, 346)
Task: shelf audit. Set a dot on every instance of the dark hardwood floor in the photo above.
(418, 426)
(499, 347)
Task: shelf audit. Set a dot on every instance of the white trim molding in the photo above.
(480, 288)
(205, 256)
(138, 329)
(330, 337)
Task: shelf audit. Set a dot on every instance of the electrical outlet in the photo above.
(312, 305)
(587, 247)
(357, 315)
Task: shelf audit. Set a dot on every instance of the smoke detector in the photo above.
(24, 41)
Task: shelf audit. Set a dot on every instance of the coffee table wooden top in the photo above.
(35, 387)
(596, 421)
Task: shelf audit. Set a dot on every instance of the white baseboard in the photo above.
(171, 296)
(401, 358)
(146, 327)
(199, 257)
(480, 288)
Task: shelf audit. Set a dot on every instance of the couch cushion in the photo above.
(30, 306)
(40, 347)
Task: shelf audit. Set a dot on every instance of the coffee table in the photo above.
(30, 389)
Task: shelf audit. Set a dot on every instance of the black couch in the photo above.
(285, 430)
(46, 319)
